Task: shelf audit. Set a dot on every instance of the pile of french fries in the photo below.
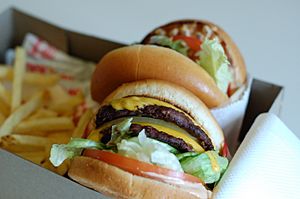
(36, 112)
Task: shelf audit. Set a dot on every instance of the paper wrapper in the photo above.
(266, 165)
(230, 117)
(42, 57)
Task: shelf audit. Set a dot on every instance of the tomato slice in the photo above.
(139, 168)
(225, 151)
(193, 42)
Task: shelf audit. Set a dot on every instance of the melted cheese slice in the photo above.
(213, 160)
(95, 135)
(134, 102)
(196, 146)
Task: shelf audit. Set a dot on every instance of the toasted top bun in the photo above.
(118, 183)
(177, 96)
(139, 62)
(201, 28)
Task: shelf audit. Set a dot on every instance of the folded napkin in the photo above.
(266, 165)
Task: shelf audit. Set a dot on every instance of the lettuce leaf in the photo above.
(120, 131)
(207, 166)
(181, 156)
(60, 152)
(214, 60)
(147, 150)
(178, 45)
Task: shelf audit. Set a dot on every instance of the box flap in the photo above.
(6, 33)
(25, 23)
(76, 44)
(88, 47)
(262, 96)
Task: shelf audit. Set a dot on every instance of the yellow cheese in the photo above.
(95, 135)
(134, 102)
(213, 160)
(196, 146)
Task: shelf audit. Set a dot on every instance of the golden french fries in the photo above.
(36, 112)
(2, 118)
(43, 80)
(6, 72)
(45, 124)
(83, 122)
(58, 94)
(30, 78)
(61, 170)
(30, 140)
(66, 107)
(19, 71)
(21, 113)
(18, 148)
(43, 113)
(5, 95)
(4, 108)
(36, 157)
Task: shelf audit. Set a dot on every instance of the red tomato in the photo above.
(193, 42)
(139, 168)
(225, 151)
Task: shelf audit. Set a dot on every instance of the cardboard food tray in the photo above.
(22, 179)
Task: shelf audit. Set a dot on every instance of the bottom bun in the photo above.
(118, 183)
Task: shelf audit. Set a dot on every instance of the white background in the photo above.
(267, 31)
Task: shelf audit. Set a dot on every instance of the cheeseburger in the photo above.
(151, 139)
(208, 46)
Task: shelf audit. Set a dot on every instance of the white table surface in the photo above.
(267, 32)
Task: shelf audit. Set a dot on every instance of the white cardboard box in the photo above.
(22, 179)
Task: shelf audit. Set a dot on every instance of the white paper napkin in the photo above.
(266, 165)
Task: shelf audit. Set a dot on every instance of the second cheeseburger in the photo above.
(151, 139)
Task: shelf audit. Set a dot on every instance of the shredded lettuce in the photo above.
(168, 147)
(207, 166)
(147, 150)
(214, 60)
(60, 152)
(178, 45)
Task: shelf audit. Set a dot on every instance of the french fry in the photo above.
(34, 133)
(19, 148)
(5, 95)
(45, 124)
(36, 157)
(6, 72)
(4, 108)
(19, 71)
(58, 94)
(43, 80)
(43, 113)
(60, 137)
(30, 140)
(2, 118)
(82, 124)
(66, 107)
(61, 170)
(22, 112)
(37, 79)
